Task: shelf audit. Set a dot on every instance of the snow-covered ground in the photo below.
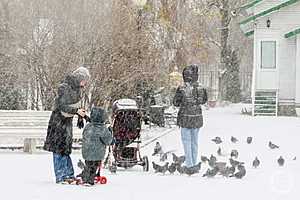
(31, 177)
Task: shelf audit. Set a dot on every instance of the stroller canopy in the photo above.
(126, 121)
(124, 104)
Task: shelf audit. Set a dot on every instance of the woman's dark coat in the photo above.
(189, 97)
(60, 128)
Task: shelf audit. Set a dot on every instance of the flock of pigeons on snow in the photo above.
(175, 166)
(234, 168)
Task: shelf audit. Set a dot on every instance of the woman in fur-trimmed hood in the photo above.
(60, 128)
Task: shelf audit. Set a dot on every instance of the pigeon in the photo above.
(235, 163)
(220, 165)
(157, 149)
(273, 146)
(217, 140)
(155, 166)
(180, 169)
(249, 140)
(234, 153)
(210, 173)
(204, 159)
(164, 156)
(233, 139)
(160, 169)
(241, 173)
(219, 151)
(164, 168)
(212, 161)
(280, 161)
(232, 169)
(178, 160)
(227, 171)
(80, 164)
(255, 163)
(295, 158)
(172, 168)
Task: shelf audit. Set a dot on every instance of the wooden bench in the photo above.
(27, 130)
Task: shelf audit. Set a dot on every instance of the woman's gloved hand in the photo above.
(80, 122)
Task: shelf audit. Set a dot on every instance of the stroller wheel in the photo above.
(145, 164)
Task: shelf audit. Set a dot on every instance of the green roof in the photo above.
(251, 4)
(273, 9)
(292, 33)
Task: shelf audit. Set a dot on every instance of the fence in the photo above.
(210, 80)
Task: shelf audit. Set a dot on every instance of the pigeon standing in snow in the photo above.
(235, 163)
(161, 169)
(234, 153)
(220, 165)
(227, 171)
(172, 168)
(212, 161)
(241, 173)
(204, 159)
(178, 159)
(155, 166)
(210, 173)
(219, 151)
(164, 156)
(249, 140)
(157, 149)
(180, 169)
(233, 139)
(273, 146)
(80, 164)
(280, 161)
(255, 162)
(217, 140)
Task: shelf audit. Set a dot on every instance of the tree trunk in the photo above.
(225, 21)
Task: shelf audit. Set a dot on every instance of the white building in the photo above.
(275, 26)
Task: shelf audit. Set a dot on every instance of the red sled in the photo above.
(98, 179)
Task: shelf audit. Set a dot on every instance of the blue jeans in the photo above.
(63, 167)
(189, 138)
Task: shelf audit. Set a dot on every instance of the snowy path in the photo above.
(31, 176)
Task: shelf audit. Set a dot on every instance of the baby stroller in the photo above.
(126, 128)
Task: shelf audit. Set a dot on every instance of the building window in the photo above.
(268, 54)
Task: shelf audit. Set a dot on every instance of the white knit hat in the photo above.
(82, 73)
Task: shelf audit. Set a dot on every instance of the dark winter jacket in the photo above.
(96, 136)
(60, 127)
(189, 98)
